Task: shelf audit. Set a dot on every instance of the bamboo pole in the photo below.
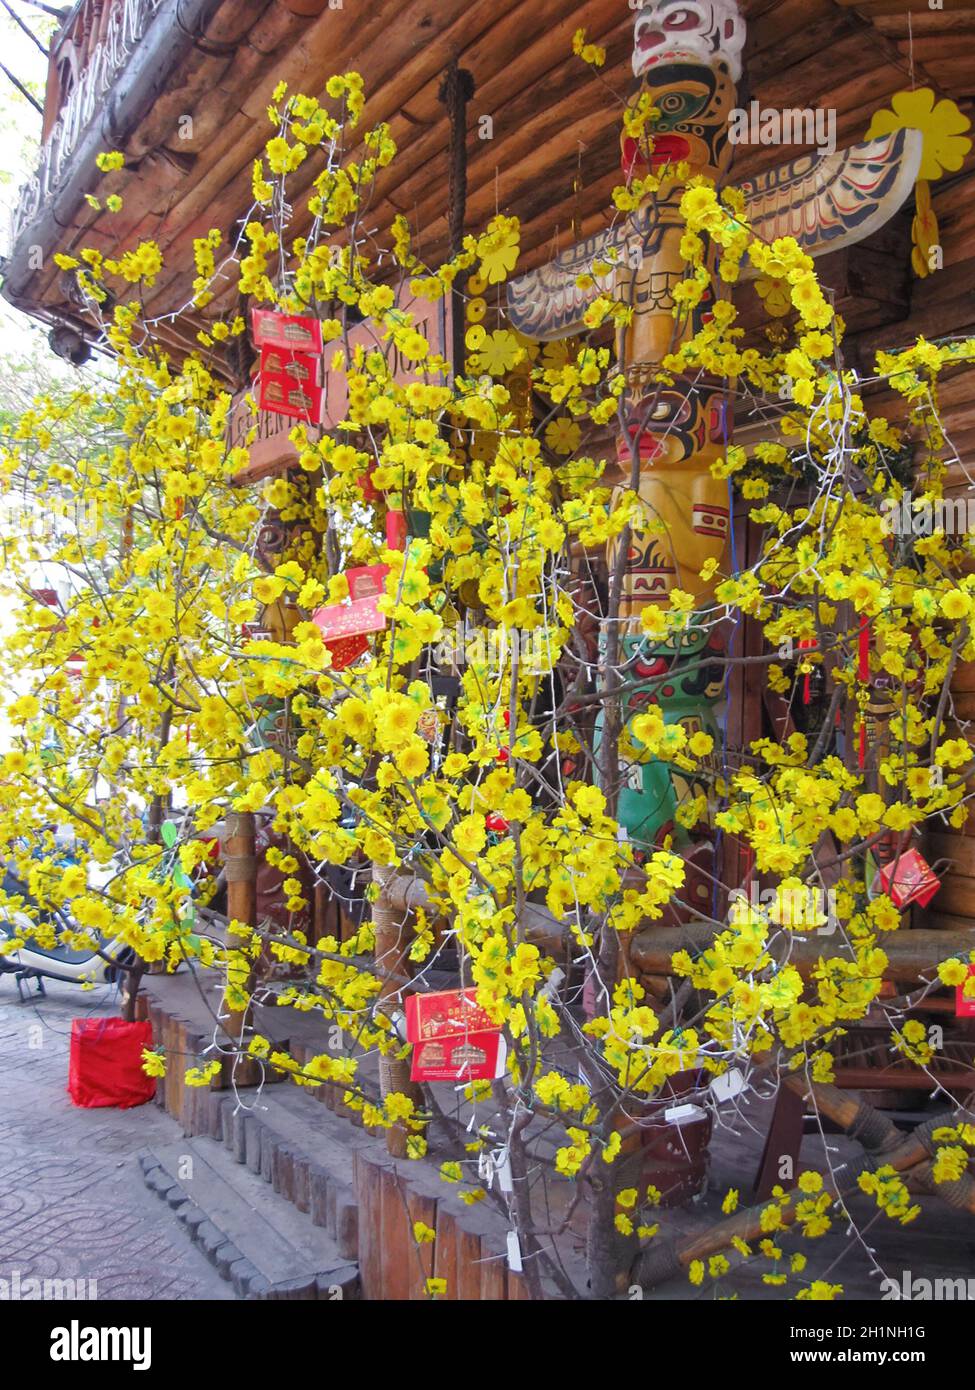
(910, 954)
(240, 859)
(394, 936)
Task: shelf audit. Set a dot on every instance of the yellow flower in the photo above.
(774, 294)
(498, 249)
(153, 1063)
(952, 972)
(498, 353)
(940, 122)
(562, 435)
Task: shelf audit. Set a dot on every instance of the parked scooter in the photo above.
(102, 965)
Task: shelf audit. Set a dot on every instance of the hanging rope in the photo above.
(456, 90)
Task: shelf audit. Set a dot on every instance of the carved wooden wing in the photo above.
(829, 201)
(547, 303)
(825, 202)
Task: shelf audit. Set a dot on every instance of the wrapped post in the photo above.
(394, 936)
(240, 860)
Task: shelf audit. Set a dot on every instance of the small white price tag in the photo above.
(684, 1114)
(728, 1085)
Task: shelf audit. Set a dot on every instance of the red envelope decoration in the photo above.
(367, 581)
(291, 331)
(396, 530)
(350, 619)
(446, 1011)
(300, 367)
(345, 650)
(908, 878)
(290, 391)
(454, 1038)
(458, 1057)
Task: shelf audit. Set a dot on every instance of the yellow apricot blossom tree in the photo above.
(182, 679)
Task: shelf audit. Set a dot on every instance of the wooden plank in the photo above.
(468, 1262)
(493, 1271)
(420, 1206)
(445, 1250)
(398, 1246)
(958, 849)
(367, 1174)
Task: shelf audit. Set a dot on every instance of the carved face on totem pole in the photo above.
(687, 57)
(698, 31)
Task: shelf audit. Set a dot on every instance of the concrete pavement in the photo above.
(73, 1204)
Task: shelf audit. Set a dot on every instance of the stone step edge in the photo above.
(339, 1283)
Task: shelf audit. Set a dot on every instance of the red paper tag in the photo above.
(964, 1008)
(909, 879)
(350, 619)
(282, 393)
(367, 581)
(447, 1011)
(457, 1057)
(293, 331)
(299, 367)
(345, 650)
(396, 530)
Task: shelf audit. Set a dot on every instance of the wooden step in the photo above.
(257, 1240)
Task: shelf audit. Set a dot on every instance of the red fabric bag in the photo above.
(106, 1063)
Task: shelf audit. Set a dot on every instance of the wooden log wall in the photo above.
(553, 119)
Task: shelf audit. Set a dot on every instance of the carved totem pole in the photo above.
(688, 58)
(687, 62)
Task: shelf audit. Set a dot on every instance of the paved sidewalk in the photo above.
(73, 1204)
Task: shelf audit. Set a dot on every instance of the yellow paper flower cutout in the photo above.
(775, 295)
(924, 231)
(940, 122)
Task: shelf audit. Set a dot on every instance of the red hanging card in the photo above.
(457, 1057)
(964, 1008)
(444, 1012)
(285, 393)
(345, 650)
(296, 332)
(367, 581)
(909, 879)
(350, 619)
